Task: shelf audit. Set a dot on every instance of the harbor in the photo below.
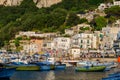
(45, 67)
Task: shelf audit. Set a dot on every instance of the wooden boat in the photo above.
(6, 73)
(90, 69)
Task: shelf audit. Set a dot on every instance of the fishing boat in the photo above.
(108, 65)
(45, 66)
(28, 68)
(6, 73)
(90, 69)
(23, 67)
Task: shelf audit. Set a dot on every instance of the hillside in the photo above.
(27, 16)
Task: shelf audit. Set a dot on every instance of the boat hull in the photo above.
(6, 73)
(23, 67)
(28, 68)
(60, 67)
(45, 67)
(90, 69)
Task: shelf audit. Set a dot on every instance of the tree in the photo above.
(6, 45)
(17, 43)
(100, 22)
(111, 19)
(72, 20)
(83, 20)
(113, 11)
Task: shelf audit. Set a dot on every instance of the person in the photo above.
(118, 60)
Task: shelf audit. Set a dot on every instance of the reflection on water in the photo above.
(50, 76)
(68, 74)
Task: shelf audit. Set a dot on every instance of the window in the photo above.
(81, 46)
(88, 36)
(81, 41)
(88, 41)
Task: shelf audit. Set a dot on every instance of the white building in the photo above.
(117, 23)
(89, 16)
(31, 48)
(111, 31)
(69, 31)
(84, 41)
(48, 45)
(110, 34)
(116, 3)
(62, 43)
(75, 52)
(103, 6)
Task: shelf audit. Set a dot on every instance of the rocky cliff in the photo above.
(46, 3)
(39, 3)
(10, 2)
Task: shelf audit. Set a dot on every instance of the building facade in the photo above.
(84, 41)
(62, 43)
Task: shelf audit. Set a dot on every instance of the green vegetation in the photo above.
(100, 22)
(55, 18)
(84, 28)
(113, 13)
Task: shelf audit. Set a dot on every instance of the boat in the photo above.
(28, 68)
(23, 67)
(90, 69)
(45, 66)
(57, 65)
(111, 78)
(60, 66)
(108, 65)
(114, 75)
(6, 73)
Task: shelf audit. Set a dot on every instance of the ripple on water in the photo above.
(68, 74)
